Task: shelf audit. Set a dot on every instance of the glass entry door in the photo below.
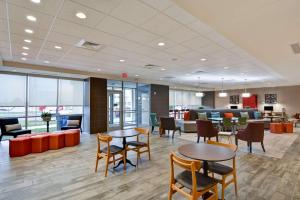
(115, 110)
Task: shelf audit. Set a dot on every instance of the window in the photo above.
(183, 99)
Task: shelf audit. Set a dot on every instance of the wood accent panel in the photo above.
(160, 100)
(208, 101)
(95, 109)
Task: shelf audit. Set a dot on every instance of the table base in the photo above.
(122, 162)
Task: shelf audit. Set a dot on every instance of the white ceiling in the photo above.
(129, 30)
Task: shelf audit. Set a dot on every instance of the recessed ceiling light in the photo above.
(226, 67)
(80, 15)
(203, 59)
(26, 48)
(29, 31)
(27, 41)
(23, 58)
(25, 54)
(98, 70)
(161, 44)
(162, 69)
(31, 18)
(36, 1)
(122, 60)
(137, 75)
(46, 62)
(57, 47)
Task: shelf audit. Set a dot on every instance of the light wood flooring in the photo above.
(69, 174)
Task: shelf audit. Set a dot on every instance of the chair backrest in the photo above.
(153, 119)
(144, 131)
(242, 120)
(167, 123)
(233, 147)
(255, 131)
(205, 128)
(7, 121)
(227, 122)
(189, 165)
(101, 137)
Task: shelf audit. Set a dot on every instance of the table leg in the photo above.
(48, 126)
(205, 172)
(127, 161)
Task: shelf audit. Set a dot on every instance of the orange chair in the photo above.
(19, 146)
(276, 128)
(39, 143)
(56, 141)
(228, 115)
(72, 137)
(288, 127)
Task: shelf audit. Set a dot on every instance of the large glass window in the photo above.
(183, 99)
(129, 104)
(143, 104)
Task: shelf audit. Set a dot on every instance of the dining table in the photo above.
(123, 134)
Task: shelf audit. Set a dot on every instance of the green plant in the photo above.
(46, 116)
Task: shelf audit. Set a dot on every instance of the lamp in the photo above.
(222, 93)
(245, 93)
(199, 94)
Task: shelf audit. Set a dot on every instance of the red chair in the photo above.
(56, 141)
(253, 133)
(39, 143)
(72, 137)
(206, 129)
(19, 146)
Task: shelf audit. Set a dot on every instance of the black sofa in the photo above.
(72, 117)
(14, 133)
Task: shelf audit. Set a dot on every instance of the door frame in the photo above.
(110, 92)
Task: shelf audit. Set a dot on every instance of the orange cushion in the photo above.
(72, 137)
(19, 146)
(276, 128)
(288, 127)
(56, 141)
(228, 115)
(186, 116)
(39, 143)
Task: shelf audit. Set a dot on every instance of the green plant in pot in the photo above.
(46, 116)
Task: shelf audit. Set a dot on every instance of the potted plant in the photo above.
(46, 116)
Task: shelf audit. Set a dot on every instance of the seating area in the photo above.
(149, 100)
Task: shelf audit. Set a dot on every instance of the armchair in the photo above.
(71, 125)
(168, 123)
(206, 129)
(13, 132)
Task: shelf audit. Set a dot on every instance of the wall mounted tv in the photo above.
(233, 107)
(268, 108)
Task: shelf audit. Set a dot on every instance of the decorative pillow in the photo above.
(215, 114)
(202, 116)
(245, 114)
(13, 127)
(72, 122)
(228, 115)
(257, 115)
(186, 116)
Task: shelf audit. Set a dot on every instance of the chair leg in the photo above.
(114, 160)
(124, 160)
(217, 138)
(204, 139)
(106, 168)
(250, 145)
(170, 192)
(173, 134)
(152, 129)
(216, 192)
(235, 183)
(1, 137)
(223, 188)
(263, 147)
(97, 160)
(236, 141)
(198, 139)
(149, 153)
(137, 157)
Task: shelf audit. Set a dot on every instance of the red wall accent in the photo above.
(250, 101)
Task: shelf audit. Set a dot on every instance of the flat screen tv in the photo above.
(233, 107)
(268, 108)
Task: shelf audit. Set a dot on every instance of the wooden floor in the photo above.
(69, 174)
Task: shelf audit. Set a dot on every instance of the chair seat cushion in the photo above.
(219, 168)
(136, 143)
(113, 149)
(69, 127)
(203, 182)
(18, 132)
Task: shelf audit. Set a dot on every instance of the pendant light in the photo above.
(245, 93)
(222, 93)
(200, 93)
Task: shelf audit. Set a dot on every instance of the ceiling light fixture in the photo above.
(31, 18)
(162, 69)
(122, 60)
(222, 93)
(161, 44)
(137, 75)
(226, 67)
(25, 54)
(28, 31)
(36, 1)
(245, 93)
(26, 48)
(81, 15)
(199, 94)
(46, 62)
(23, 58)
(27, 41)
(98, 70)
(57, 47)
(203, 59)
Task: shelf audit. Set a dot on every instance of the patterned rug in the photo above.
(276, 145)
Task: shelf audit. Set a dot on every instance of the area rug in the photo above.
(276, 145)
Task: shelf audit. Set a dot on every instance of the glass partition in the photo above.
(184, 99)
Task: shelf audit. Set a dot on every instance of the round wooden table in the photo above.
(206, 153)
(123, 134)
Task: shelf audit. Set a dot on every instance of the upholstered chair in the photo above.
(206, 129)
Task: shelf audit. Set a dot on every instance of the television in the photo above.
(233, 107)
(268, 108)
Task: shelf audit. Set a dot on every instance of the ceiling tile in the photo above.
(105, 6)
(181, 34)
(100, 37)
(82, 52)
(63, 38)
(177, 49)
(133, 12)
(114, 26)
(19, 39)
(17, 28)
(140, 35)
(196, 43)
(69, 28)
(159, 4)
(180, 14)
(2, 9)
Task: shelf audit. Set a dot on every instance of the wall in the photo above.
(208, 101)
(287, 97)
(160, 100)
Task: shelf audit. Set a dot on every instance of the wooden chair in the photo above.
(110, 151)
(138, 146)
(224, 170)
(190, 179)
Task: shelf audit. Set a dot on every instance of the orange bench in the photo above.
(39, 143)
(276, 128)
(56, 141)
(288, 127)
(19, 146)
(72, 137)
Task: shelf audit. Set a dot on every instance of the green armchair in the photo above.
(153, 121)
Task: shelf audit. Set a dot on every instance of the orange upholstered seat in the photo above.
(56, 141)
(19, 146)
(228, 115)
(72, 137)
(186, 116)
(39, 143)
(288, 127)
(276, 128)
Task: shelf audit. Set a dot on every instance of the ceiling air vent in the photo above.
(150, 66)
(295, 48)
(199, 72)
(89, 45)
(169, 77)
